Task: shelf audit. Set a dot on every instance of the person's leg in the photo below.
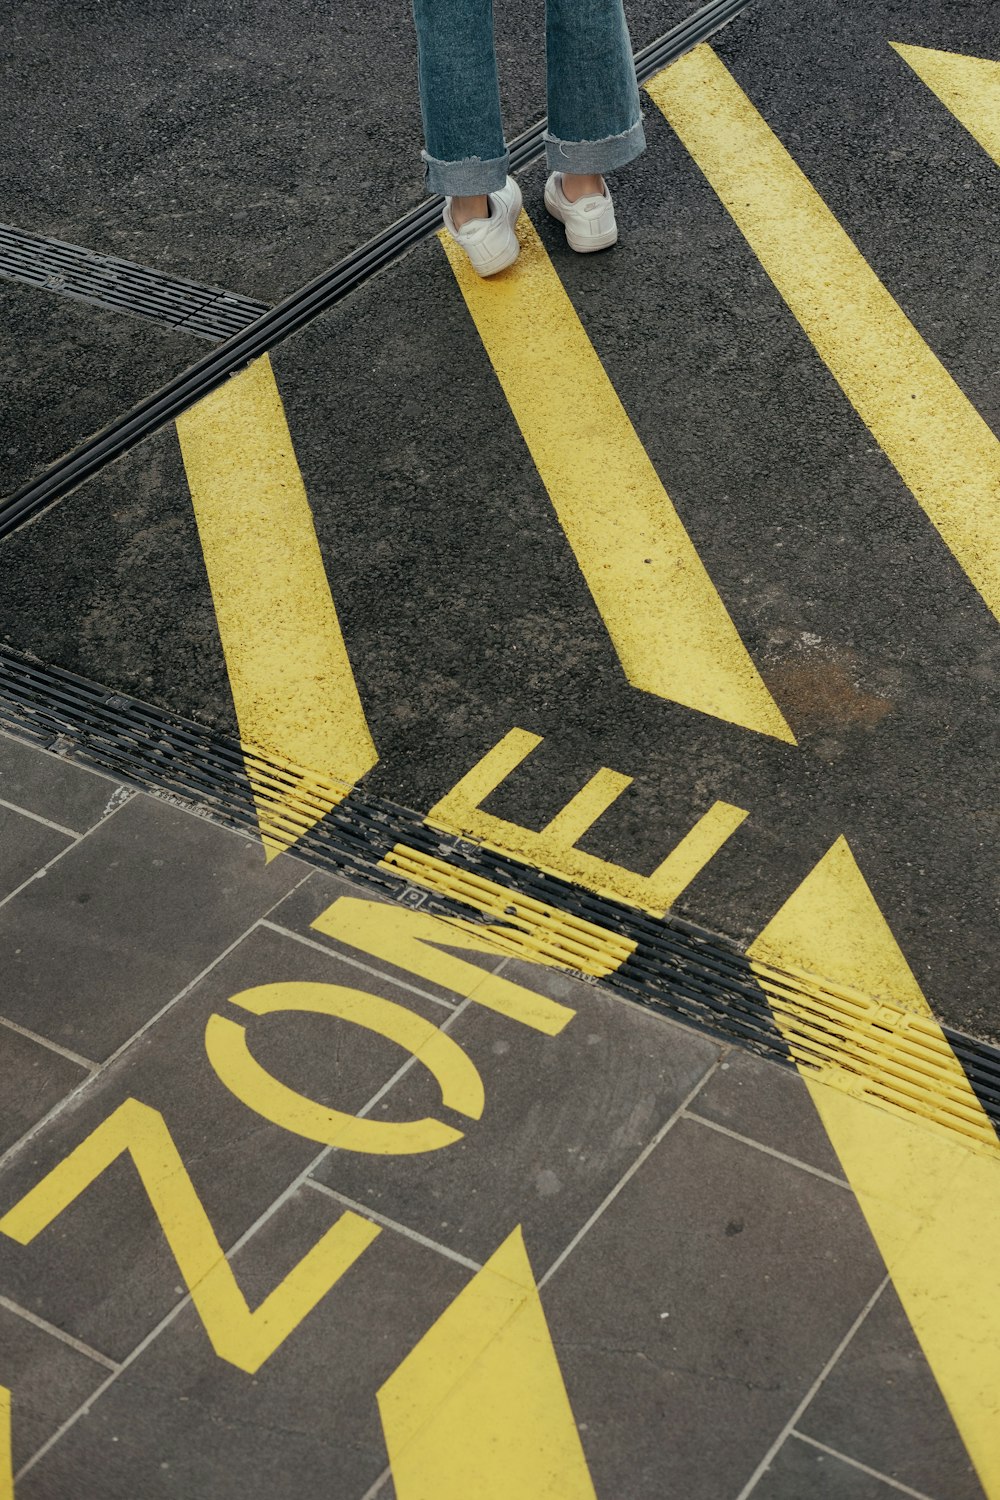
(466, 155)
(595, 121)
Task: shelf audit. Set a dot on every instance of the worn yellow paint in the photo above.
(667, 622)
(412, 940)
(240, 1336)
(929, 1191)
(6, 1451)
(940, 445)
(523, 927)
(460, 1083)
(553, 848)
(968, 86)
(302, 725)
(479, 1407)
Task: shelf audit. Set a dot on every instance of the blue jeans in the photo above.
(594, 124)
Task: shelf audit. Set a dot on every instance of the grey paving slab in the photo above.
(25, 846)
(126, 919)
(799, 1471)
(714, 1291)
(68, 369)
(770, 1104)
(181, 1422)
(104, 1271)
(881, 1406)
(32, 1080)
(47, 1380)
(52, 786)
(565, 1117)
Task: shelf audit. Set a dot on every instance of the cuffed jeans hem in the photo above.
(601, 156)
(467, 178)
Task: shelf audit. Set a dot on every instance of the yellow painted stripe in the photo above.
(479, 1409)
(968, 86)
(6, 1459)
(669, 626)
(942, 448)
(930, 1192)
(296, 700)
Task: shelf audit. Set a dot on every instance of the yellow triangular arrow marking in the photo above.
(943, 450)
(6, 1457)
(478, 1408)
(930, 1194)
(302, 725)
(673, 634)
(968, 86)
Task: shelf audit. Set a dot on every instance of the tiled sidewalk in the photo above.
(720, 1314)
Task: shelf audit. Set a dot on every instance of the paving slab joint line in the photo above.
(855, 1463)
(301, 1180)
(25, 812)
(394, 1224)
(43, 1041)
(43, 870)
(630, 1172)
(813, 1390)
(18, 1311)
(746, 1140)
(374, 1490)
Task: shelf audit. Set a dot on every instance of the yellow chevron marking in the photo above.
(968, 86)
(940, 445)
(666, 620)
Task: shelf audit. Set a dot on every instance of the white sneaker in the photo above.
(491, 244)
(590, 221)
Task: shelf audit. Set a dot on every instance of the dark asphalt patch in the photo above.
(68, 370)
(246, 145)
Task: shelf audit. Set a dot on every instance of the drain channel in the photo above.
(309, 302)
(671, 966)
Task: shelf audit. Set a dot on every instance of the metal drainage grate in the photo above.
(207, 312)
(675, 967)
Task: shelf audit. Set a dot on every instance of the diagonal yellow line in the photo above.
(670, 628)
(968, 86)
(929, 1191)
(296, 700)
(931, 432)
